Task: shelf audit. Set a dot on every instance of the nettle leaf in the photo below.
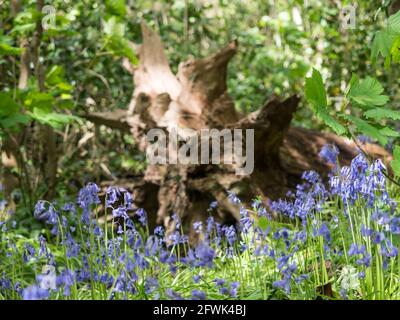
(381, 45)
(389, 132)
(395, 163)
(332, 122)
(7, 105)
(316, 94)
(315, 91)
(366, 128)
(382, 113)
(367, 92)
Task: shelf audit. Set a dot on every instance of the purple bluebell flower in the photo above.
(142, 216)
(329, 153)
(198, 295)
(35, 292)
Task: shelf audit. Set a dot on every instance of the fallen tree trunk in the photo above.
(196, 98)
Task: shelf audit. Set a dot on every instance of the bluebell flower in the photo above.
(213, 205)
(230, 234)
(197, 226)
(365, 232)
(324, 231)
(329, 153)
(159, 231)
(35, 292)
(234, 289)
(142, 216)
(233, 197)
(284, 284)
(198, 295)
(120, 212)
(173, 294)
(219, 282)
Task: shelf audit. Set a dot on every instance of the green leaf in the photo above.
(7, 49)
(395, 50)
(7, 105)
(263, 223)
(382, 113)
(14, 120)
(395, 163)
(315, 91)
(116, 7)
(367, 92)
(394, 23)
(55, 120)
(114, 28)
(381, 45)
(332, 122)
(55, 75)
(389, 132)
(39, 101)
(366, 128)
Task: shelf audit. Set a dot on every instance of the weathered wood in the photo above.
(197, 98)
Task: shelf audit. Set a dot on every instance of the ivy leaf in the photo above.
(395, 163)
(315, 91)
(382, 113)
(367, 92)
(366, 128)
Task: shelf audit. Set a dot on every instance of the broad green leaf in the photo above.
(55, 120)
(39, 101)
(366, 128)
(395, 163)
(381, 45)
(7, 105)
(55, 75)
(330, 121)
(6, 49)
(367, 92)
(13, 120)
(315, 91)
(382, 113)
